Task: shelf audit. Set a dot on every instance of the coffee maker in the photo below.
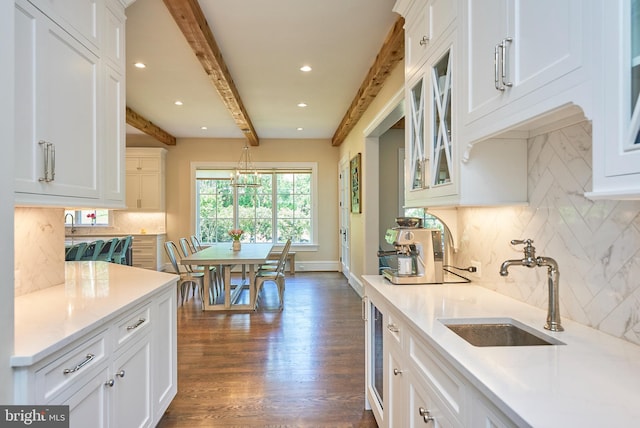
(420, 255)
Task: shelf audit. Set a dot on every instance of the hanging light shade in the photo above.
(245, 174)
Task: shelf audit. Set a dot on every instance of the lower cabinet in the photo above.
(147, 251)
(421, 389)
(123, 374)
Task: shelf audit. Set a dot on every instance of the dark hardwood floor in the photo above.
(302, 367)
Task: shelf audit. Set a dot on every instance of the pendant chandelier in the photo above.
(245, 174)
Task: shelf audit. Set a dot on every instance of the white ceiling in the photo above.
(264, 43)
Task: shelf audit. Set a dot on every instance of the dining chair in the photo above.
(120, 252)
(186, 276)
(195, 242)
(215, 274)
(92, 250)
(272, 265)
(267, 273)
(106, 253)
(75, 252)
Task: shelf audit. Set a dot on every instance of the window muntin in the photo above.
(280, 208)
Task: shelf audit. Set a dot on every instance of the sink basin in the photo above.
(498, 332)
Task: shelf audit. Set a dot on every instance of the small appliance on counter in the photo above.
(420, 253)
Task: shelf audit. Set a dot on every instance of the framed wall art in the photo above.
(356, 177)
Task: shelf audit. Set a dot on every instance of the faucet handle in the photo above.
(526, 242)
(529, 250)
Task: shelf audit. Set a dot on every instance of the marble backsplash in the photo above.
(127, 222)
(38, 248)
(596, 243)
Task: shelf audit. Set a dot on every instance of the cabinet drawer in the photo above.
(68, 368)
(133, 325)
(437, 374)
(394, 328)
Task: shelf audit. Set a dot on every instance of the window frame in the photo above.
(230, 166)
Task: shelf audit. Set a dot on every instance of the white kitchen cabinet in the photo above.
(131, 390)
(114, 105)
(375, 359)
(147, 251)
(442, 168)
(145, 170)
(425, 22)
(121, 373)
(616, 122)
(420, 387)
(69, 103)
(56, 145)
(165, 353)
(522, 59)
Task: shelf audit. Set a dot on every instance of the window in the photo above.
(279, 209)
(86, 217)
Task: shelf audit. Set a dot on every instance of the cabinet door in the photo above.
(150, 189)
(113, 186)
(416, 157)
(56, 102)
(165, 376)
(374, 359)
(396, 373)
(131, 393)
(616, 128)
(88, 406)
(425, 410)
(516, 47)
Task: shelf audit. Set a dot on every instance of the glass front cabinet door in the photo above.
(429, 134)
(616, 123)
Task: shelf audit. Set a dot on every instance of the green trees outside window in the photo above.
(278, 209)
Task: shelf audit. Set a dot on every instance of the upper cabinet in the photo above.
(521, 59)
(616, 123)
(441, 169)
(69, 103)
(145, 179)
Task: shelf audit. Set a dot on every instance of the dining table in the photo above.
(223, 256)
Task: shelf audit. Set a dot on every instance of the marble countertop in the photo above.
(93, 293)
(591, 381)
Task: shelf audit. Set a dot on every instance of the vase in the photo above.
(236, 245)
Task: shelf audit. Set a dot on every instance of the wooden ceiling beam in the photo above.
(390, 54)
(146, 126)
(191, 21)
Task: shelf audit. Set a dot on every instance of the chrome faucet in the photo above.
(73, 229)
(553, 278)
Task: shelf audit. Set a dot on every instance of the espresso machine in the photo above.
(420, 255)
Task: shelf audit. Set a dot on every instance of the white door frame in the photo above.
(388, 116)
(344, 216)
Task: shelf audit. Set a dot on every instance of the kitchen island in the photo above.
(104, 343)
(591, 380)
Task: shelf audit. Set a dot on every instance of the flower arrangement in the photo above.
(236, 234)
(92, 217)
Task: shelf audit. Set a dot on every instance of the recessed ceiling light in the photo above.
(178, 103)
(305, 68)
(299, 129)
(140, 65)
(302, 104)
(204, 128)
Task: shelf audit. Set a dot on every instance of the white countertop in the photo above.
(94, 292)
(592, 381)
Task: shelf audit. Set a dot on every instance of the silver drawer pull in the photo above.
(136, 325)
(86, 361)
(110, 383)
(392, 328)
(396, 372)
(120, 374)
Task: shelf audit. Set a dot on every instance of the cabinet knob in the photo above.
(424, 40)
(426, 415)
(396, 372)
(120, 374)
(110, 383)
(392, 328)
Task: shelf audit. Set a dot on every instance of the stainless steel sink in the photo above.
(498, 332)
